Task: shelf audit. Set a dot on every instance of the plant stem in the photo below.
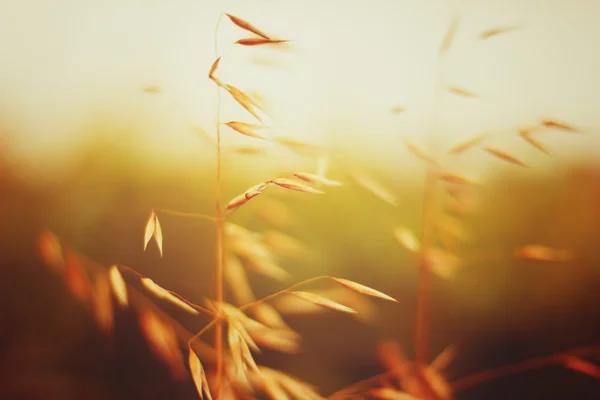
(186, 215)
(219, 237)
(271, 296)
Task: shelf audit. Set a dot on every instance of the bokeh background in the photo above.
(87, 152)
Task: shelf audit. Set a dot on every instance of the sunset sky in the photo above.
(65, 63)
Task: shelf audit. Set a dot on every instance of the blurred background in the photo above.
(107, 113)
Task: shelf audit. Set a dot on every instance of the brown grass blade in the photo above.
(243, 100)
(505, 156)
(450, 34)
(163, 342)
(464, 146)
(455, 179)
(461, 92)
(554, 124)
(247, 26)
(162, 293)
(298, 187)
(322, 301)
(444, 359)
(102, 303)
(542, 253)
(362, 289)
(118, 286)
(247, 129)
(316, 179)
(51, 251)
(496, 32)
(417, 152)
(259, 41)
(585, 367)
(407, 239)
(77, 279)
(213, 69)
(535, 143)
(375, 188)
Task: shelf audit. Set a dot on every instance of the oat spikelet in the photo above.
(450, 34)
(461, 91)
(444, 359)
(153, 229)
(249, 194)
(243, 100)
(375, 188)
(162, 293)
(542, 253)
(162, 340)
(585, 367)
(246, 129)
(417, 152)
(362, 289)
(118, 286)
(213, 69)
(443, 263)
(316, 179)
(198, 375)
(77, 279)
(407, 239)
(298, 187)
(464, 146)
(259, 41)
(504, 156)
(496, 32)
(322, 301)
(247, 26)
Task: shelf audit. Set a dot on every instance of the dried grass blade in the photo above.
(504, 156)
(213, 68)
(375, 188)
(463, 146)
(542, 253)
(322, 301)
(162, 293)
(259, 41)
(103, 308)
(535, 143)
(243, 100)
(362, 289)
(246, 129)
(461, 92)
(118, 286)
(149, 229)
(198, 374)
(585, 367)
(407, 239)
(549, 123)
(450, 34)
(51, 251)
(162, 340)
(298, 187)
(496, 32)
(249, 194)
(316, 179)
(158, 236)
(417, 152)
(247, 26)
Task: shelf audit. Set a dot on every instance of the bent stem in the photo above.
(185, 215)
(284, 291)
